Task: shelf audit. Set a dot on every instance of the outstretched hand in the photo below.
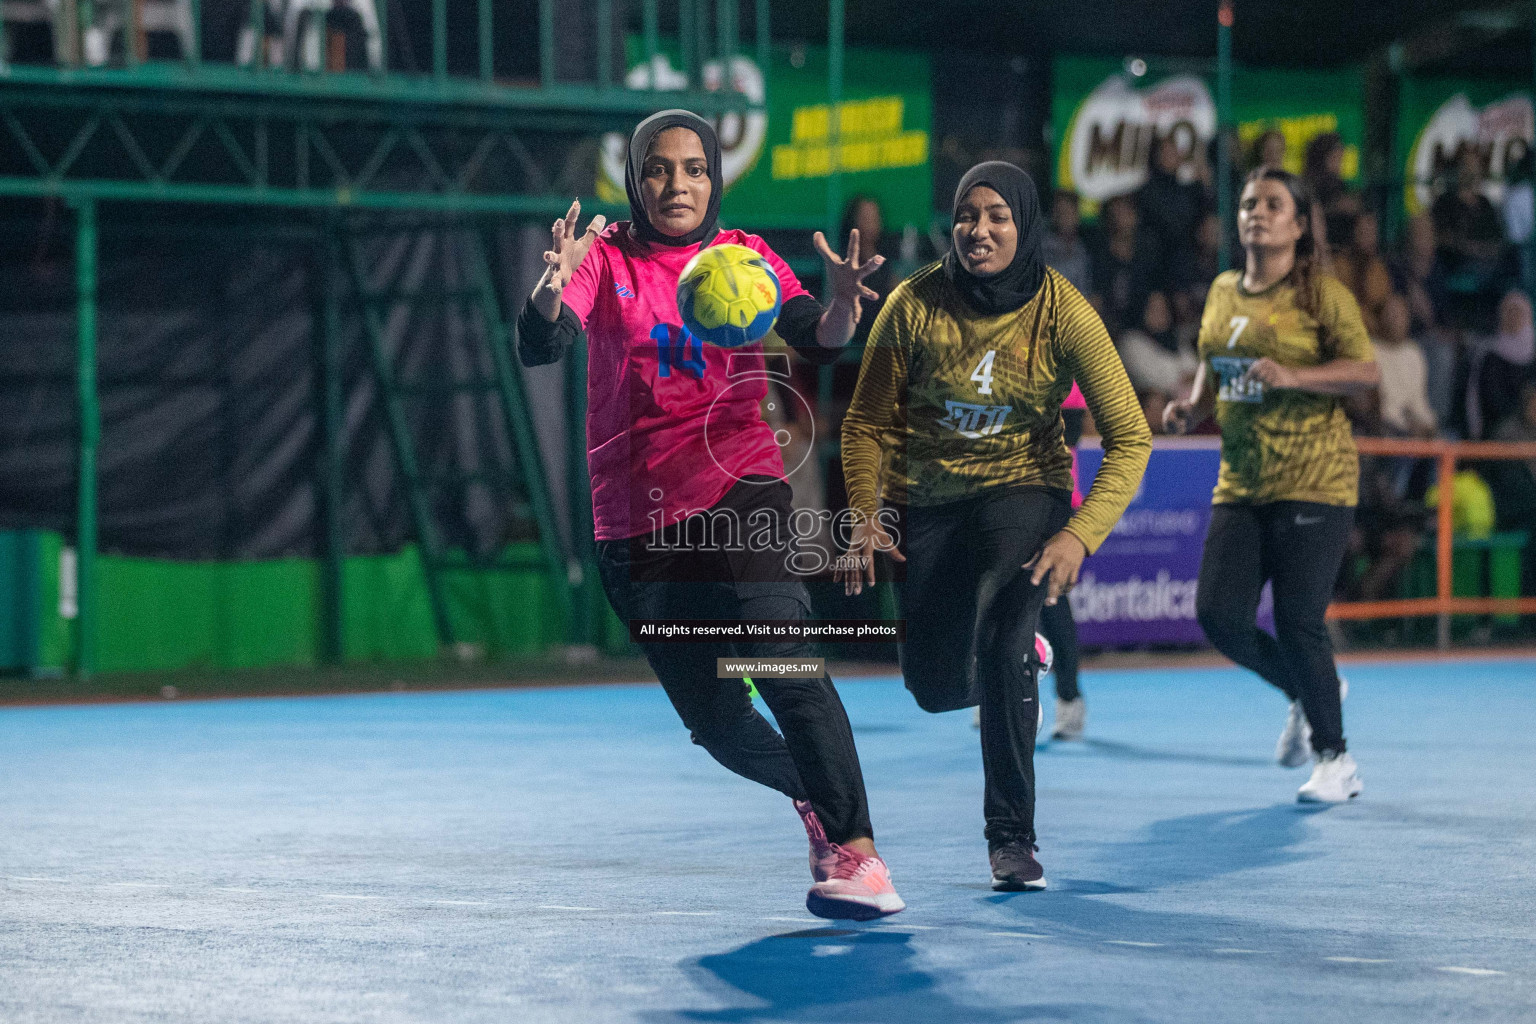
(845, 274)
(1058, 564)
(567, 250)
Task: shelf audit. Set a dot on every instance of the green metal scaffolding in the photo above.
(460, 148)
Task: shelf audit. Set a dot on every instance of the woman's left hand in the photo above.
(1273, 375)
(845, 274)
(1058, 563)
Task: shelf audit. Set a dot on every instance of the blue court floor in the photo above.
(565, 855)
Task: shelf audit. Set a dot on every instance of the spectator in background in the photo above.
(1415, 275)
(1415, 278)
(1520, 209)
(1323, 171)
(1387, 533)
(1268, 150)
(863, 212)
(1334, 205)
(1514, 482)
(1170, 209)
(1065, 252)
(1469, 246)
(1500, 366)
(1159, 359)
(1124, 263)
(1193, 271)
(1403, 399)
(1360, 267)
(1467, 228)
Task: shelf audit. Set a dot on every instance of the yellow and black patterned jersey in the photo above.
(959, 402)
(1281, 445)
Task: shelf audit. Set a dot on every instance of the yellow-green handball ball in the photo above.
(728, 296)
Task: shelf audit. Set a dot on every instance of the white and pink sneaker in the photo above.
(859, 889)
(823, 853)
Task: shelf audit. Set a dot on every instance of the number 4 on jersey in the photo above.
(983, 373)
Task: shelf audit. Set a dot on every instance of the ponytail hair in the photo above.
(1306, 274)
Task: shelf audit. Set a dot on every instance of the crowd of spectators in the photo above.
(1446, 310)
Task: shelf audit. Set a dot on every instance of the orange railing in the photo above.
(1443, 604)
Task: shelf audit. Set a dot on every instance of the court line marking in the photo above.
(556, 906)
(1356, 960)
(683, 913)
(1020, 935)
(1481, 972)
(1128, 942)
(346, 896)
(34, 878)
(797, 920)
(234, 888)
(459, 903)
(1233, 949)
(141, 885)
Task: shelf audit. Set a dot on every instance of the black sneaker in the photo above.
(1014, 867)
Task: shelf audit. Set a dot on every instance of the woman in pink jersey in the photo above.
(691, 511)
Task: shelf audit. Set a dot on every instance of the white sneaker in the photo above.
(1294, 748)
(1070, 716)
(1335, 780)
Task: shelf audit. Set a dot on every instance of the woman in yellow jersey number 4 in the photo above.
(960, 396)
(1281, 346)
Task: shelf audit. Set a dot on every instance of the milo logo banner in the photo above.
(776, 161)
(1440, 119)
(1105, 119)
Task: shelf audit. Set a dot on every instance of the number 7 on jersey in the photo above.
(1238, 322)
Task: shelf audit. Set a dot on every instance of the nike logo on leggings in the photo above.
(1302, 520)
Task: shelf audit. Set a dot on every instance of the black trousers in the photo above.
(1298, 547)
(971, 613)
(688, 573)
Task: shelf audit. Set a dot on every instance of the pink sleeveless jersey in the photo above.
(672, 423)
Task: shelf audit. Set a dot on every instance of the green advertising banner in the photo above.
(1105, 118)
(777, 162)
(1440, 118)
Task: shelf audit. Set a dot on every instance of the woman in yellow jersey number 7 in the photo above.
(1281, 346)
(960, 393)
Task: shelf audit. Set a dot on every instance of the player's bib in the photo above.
(1235, 386)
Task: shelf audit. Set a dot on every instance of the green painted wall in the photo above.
(158, 615)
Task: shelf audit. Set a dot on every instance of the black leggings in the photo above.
(815, 758)
(1060, 628)
(1056, 621)
(1298, 546)
(970, 614)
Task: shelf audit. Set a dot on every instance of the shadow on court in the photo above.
(1199, 847)
(1131, 752)
(827, 974)
(1196, 848)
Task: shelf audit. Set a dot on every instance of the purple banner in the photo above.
(1139, 587)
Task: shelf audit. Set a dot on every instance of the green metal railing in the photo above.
(691, 20)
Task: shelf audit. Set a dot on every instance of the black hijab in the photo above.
(634, 168)
(1018, 282)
